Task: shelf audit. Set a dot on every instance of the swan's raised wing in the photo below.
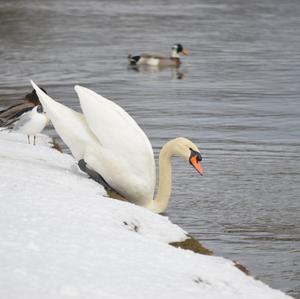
(69, 124)
(118, 132)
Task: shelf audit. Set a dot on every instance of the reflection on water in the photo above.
(238, 100)
(175, 72)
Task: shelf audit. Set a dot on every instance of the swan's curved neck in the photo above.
(161, 200)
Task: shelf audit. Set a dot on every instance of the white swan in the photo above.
(114, 146)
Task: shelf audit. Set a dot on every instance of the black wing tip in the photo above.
(133, 59)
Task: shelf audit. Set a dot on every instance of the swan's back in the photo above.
(118, 132)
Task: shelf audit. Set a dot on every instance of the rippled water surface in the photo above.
(236, 96)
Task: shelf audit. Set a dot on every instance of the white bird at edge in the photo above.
(110, 146)
(30, 123)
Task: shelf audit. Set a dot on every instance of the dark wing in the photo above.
(5, 110)
(12, 113)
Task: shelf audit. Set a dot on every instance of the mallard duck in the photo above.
(158, 60)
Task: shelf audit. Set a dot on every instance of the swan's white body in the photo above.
(125, 156)
(111, 143)
(107, 138)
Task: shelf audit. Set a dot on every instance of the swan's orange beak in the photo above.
(196, 164)
(195, 159)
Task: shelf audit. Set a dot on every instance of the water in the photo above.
(236, 96)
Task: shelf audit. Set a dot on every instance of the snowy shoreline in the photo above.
(62, 238)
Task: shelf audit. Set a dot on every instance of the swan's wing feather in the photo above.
(111, 161)
(118, 132)
(69, 124)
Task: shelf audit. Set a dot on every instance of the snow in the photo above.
(61, 237)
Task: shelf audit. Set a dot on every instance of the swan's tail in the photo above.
(50, 106)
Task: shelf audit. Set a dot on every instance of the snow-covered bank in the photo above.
(61, 238)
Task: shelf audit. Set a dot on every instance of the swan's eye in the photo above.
(196, 154)
(39, 109)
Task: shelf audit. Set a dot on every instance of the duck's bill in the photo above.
(196, 164)
(185, 51)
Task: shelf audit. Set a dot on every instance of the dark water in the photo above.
(236, 96)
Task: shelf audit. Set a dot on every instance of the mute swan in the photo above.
(107, 140)
(158, 60)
